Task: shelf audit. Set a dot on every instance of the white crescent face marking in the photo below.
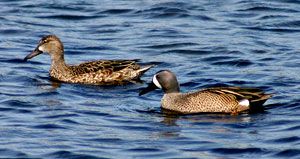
(154, 80)
(41, 48)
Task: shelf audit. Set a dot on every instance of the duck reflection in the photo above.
(55, 84)
(220, 122)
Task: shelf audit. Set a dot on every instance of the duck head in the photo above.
(165, 80)
(49, 44)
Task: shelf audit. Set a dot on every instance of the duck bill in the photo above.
(150, 88)
(33, 54)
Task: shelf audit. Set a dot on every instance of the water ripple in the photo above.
(237, 63)
(69, 17)
(269, 9)
(289, 153)
(287, 139)
(240, 150)
(71, 155)
(173, 45)
(116, 11)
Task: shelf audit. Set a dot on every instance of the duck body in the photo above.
(214, 100)
(231, 100)
(102, 72)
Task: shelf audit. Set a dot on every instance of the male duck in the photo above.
(231, 100)
(104, 72)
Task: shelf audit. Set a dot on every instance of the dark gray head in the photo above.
(165, 80)
(50, 44)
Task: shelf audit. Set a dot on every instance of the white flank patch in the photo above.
(156, 82)
(244, 102)
(41, 48)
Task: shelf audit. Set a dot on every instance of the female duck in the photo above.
(102, 72)
(231, 100)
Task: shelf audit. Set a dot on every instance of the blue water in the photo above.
(206, 43)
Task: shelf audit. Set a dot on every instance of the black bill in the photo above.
(33, 54)
(151, 87)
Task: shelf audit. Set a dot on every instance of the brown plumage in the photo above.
(231, 100)
(103, 72)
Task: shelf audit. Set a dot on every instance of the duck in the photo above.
(101, 72)
(227, 100)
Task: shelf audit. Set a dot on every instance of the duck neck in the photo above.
(58, 64)
(172, 90)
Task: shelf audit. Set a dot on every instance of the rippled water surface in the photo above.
(206, 43)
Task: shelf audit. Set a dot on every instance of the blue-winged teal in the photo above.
(231, 100)
(101, 72)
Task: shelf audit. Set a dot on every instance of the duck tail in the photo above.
(257, 104)
(261, 100)
(144, 69)
(138, 73)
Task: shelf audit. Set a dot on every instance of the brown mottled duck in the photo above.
(102, 72)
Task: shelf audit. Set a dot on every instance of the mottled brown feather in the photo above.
(113, 65)
(102, 72)
(214, 100)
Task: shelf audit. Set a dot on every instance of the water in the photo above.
(233, 42)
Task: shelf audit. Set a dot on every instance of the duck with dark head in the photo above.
(232, 100)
